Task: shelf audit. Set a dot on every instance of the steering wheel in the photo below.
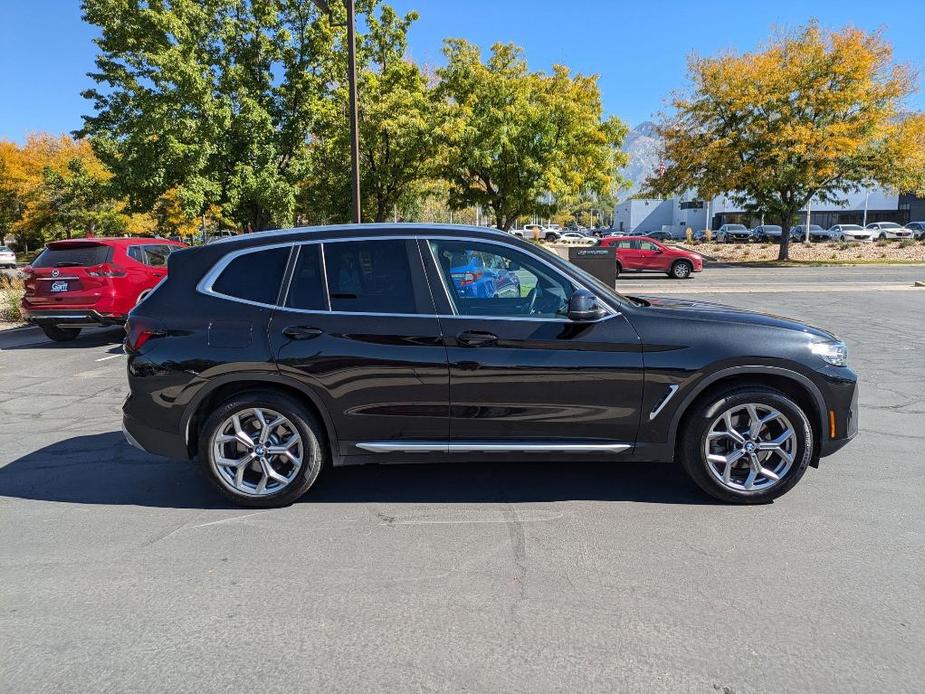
(532, 300)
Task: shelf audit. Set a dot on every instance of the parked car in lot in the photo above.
(731, 233)
(548, 233)
(577, 237)
(849, 232)
(798, 232)
(888, 230)
(660, 235)
(645, 254)
(917, 229)
(275, 355)
(478, 276)
(767, 232)
(7, 257)
(94, 281)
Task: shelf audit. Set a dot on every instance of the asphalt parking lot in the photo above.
(121, 571)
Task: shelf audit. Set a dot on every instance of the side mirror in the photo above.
(583, 307)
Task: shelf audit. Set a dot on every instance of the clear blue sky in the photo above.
(638, 49)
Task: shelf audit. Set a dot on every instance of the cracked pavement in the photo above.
(120, 571)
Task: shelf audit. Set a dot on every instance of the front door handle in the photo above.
(476, 338)
(301, 332)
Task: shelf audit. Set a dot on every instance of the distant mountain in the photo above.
(642, 145)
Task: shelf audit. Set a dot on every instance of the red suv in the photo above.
(642, 254)
(82, 282)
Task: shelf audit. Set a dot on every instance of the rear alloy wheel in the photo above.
(681, 270)
(747, 446)
(262, 450)
(60, 334)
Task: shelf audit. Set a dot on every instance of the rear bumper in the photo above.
(150, 440)
(72, 318)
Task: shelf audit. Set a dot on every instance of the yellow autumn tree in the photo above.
(815, 114)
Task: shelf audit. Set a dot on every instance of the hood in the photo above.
(705, 310)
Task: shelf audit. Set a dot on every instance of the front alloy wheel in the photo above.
(750, 446)
(746, 445)
(681, 270)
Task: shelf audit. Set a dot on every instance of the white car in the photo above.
(549, 233)
(850, 232)
(575, 237)
(7, 257)
(889, 230)
(519, 233)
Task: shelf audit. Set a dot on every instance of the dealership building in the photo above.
(676, 215)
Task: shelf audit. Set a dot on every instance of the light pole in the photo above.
(866, 199)
(352, 85)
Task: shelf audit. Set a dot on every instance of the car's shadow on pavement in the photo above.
(104, 469)
(31, 338)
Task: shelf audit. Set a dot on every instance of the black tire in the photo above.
(695, 428)
(550, 238)
(315, 447)
(681, 270)
(60, 334)
(619, 269)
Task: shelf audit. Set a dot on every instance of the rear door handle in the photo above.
(475, 338)
(301, 332)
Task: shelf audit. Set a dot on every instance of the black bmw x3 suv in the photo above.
(274, 355)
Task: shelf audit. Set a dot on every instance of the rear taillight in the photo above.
(138, 332)
(107, 271)
(470, 278)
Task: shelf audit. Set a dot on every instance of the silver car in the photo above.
(7, 257)
(918, 229)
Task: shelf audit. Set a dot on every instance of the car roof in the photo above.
(110, 241)
(348, 230)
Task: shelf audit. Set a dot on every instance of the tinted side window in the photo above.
(136, 253)
(157, 255)
(306, 290)
(371, 276)
(648, 246)
(491, 280)
(254, 276)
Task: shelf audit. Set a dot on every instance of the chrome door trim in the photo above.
(493, 447)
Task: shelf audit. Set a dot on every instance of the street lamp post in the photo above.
(354, 126)
(352, 85)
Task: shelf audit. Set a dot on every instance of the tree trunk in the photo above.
(784, 251)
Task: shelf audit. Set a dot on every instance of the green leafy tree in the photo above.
(515, 141)
(212, 99)
(74, 201)
(396, 111)
(814, 115)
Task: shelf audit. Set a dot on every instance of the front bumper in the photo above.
(842, 415)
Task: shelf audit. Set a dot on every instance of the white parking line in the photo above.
(112, 356)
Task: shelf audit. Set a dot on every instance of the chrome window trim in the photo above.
(492, 447)
(205, 285)
(556, 271)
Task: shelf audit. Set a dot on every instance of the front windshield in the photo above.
(851, 227)
(889, 225)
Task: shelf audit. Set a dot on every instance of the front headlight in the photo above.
(834, 353)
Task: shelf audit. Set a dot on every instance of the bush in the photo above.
(905, 243)
(11, 291)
